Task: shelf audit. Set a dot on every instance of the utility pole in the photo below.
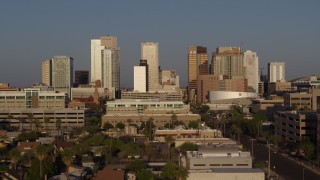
(251, 147)
(269, 162)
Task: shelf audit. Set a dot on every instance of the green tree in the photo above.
(9, 118)
(48, 167)
(30, 136)
(182, 173)
(188, 147)
(37, 124)
(67, 158)
(236, 130)
(193, 124)
(41, 153)
(204, 109)
(294, 107)
(174, 120)
(169, 171)
(142, 125)
(31, 120)
(120, 125)
(15, 156)
(308, 147)
(46, 122)
(169, 140)
(107, 126)
(135, 166)
(58, 124)
(129, 121)
(144, 174)
(148, 132)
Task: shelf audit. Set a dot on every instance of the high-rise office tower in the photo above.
(105, 62)
(149, 52)
(81, 77)
(62, 72)
(140, 78)
(46, 72)
(276, 71)
(228, 61)
(197, 64)
(251, 65)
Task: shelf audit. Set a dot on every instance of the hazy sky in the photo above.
(32, 31)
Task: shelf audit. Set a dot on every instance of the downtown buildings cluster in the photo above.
(231, 79)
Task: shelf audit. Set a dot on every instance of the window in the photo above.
(227, 164)
(242, 165)
(199, 165)
(214, 164)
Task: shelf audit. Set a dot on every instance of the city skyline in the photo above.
(278, 31)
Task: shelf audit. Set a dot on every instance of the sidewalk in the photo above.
(315, 170)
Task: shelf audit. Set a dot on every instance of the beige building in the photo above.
(150, 52)
(85, 92)
(279, 88)
(144, 106)
(32, 98)
(162, 96)
(276, 71)
(187, 133)
(206, 83)
(227, 174)
(221, 163)
(294, 126)
(267, 106)
(228, 61)
(105, 63)
(159, 120)
(251, 65)
(306, 100)
(197, 64)
(70, 118)
(46, 72)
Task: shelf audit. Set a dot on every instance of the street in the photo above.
(284, 167)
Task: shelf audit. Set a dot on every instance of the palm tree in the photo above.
(20, 123)
(236, 130)
(67, 158)
(15, 156)
(41, 153)
(174, 120)
(37, 124)
(182, 173)
(58, 123)
(46, 122)
(9, 118)
(169, 140)
(129, 121)
(31, 120)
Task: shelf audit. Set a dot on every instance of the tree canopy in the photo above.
(135, 166)
(172, 171)
(120, 125)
